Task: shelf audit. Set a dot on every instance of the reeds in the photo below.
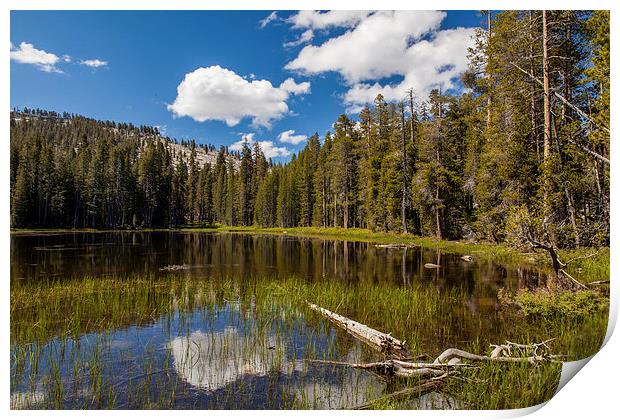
(182, 342)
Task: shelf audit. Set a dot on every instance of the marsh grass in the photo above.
(224, 343)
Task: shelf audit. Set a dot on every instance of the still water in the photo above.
(203, 350)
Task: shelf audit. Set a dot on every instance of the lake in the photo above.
(206, 320)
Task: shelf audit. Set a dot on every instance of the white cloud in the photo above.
(264, 22)
(216, 93)
(304, 38)
(290, 137)
(27, 54)
(403, 44)
(290, 86)
(94, 63)
(323, 20)
(270, 150)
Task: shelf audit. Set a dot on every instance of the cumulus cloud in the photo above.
(264, 22)
(27, 54)
(94, 63)
(270, 150)
(290, 86)
(404, 44)
(290, 137)
(216, 93)
(304, 38)
(323, 20)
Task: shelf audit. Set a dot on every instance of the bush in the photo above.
(568, 305)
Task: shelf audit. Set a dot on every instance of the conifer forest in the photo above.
(528, 139)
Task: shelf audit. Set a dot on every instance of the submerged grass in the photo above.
(63, 345)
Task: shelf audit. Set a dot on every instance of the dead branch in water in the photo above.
(432, 374)
(419, 390)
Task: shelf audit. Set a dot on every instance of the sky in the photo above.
(220, 77)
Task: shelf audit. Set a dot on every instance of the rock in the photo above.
(431, 265)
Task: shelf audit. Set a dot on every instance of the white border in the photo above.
(593, 394)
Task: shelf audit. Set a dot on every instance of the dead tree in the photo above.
(432, 375)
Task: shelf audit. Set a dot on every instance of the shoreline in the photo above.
(585, 269)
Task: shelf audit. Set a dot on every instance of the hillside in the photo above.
(122, 131)
(71, 171)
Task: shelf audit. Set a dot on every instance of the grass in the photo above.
(549, 306)
(64, 338)
(64, 333)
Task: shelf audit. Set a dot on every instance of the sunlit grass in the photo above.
(62, 348)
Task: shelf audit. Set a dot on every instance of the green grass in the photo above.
(429, 319)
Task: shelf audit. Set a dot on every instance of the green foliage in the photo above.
(565, 305)
(475, 165)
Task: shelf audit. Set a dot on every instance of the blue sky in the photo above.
(216, 76)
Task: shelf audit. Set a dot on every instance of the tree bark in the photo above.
(403, 206)
(379, 341)
(547, 117)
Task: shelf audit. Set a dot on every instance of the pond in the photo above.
(211, 320)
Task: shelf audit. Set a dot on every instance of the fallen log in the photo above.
(175, 267)
(395, 246)
(384, 343)
(431, 374)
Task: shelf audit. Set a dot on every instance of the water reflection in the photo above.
(215, 359)
(74, 255)
(222, 354)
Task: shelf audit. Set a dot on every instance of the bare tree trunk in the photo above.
(335, 210)
(489, 100)
(379, 341)
(533, 92)
(414, 157)
(403, 206)
(547, 111)
(324, 204)
(437, 212)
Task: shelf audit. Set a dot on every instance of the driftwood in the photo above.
(175, 267)
(384, 343)
(419, 390)
(431, 374)
(395, 246)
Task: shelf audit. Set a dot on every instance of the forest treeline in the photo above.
(527, 142)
